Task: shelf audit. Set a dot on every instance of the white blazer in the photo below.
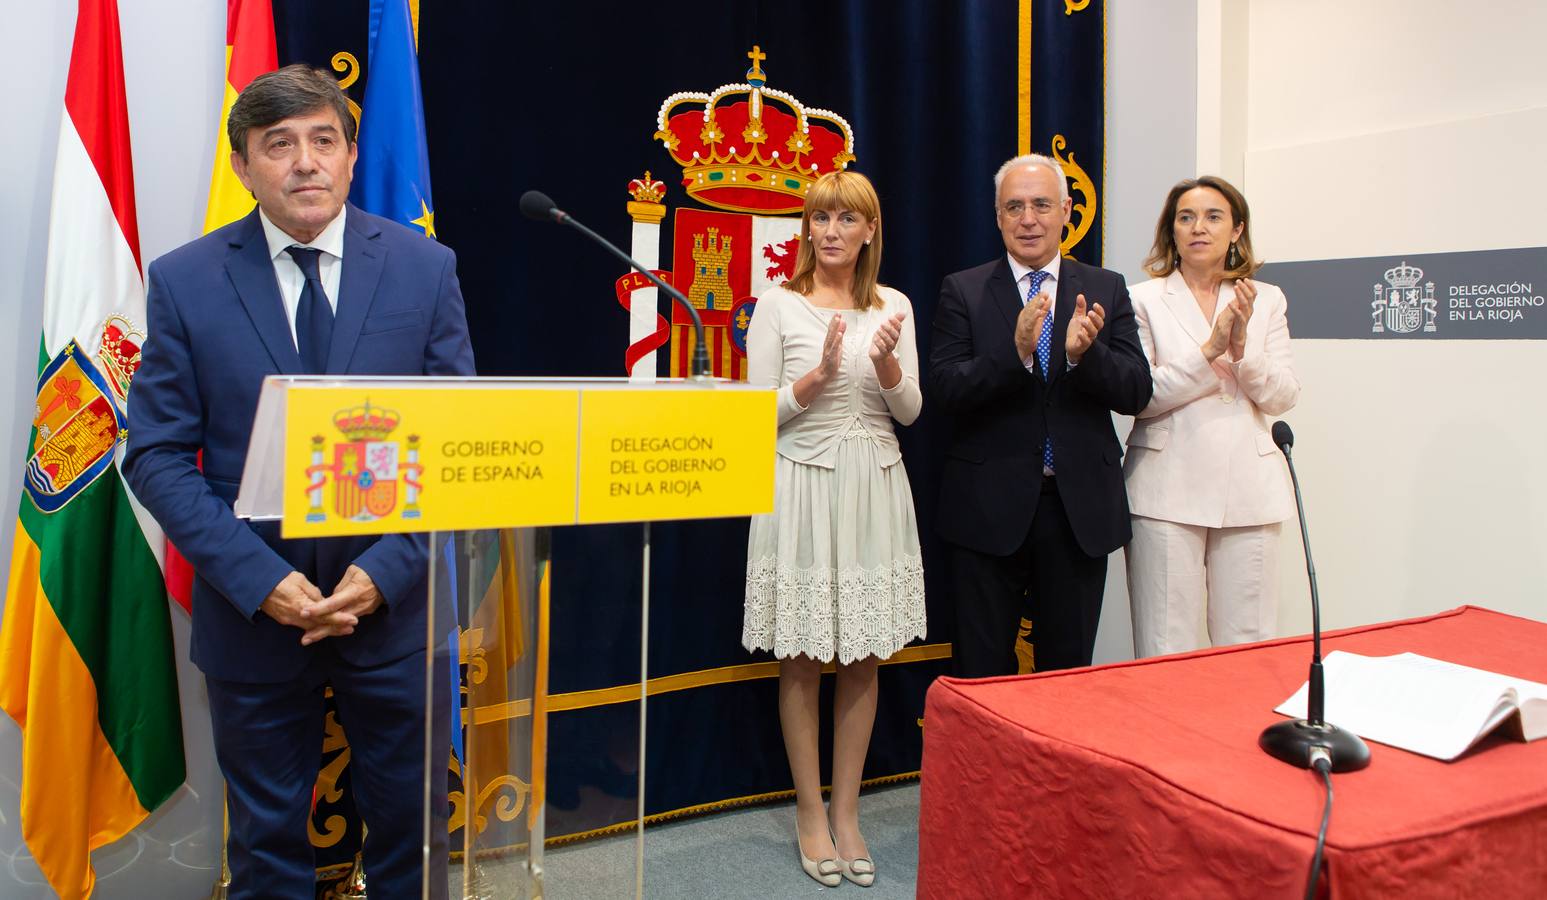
(1202, 453)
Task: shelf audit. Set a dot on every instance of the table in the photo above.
(1144, 779)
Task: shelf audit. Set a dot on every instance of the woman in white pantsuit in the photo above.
(1207, 488)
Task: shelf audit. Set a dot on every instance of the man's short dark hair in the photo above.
(272, 97)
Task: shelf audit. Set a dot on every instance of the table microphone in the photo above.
(539, 206)
(1299, 742)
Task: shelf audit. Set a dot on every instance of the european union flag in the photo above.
(392, 180)
(392, 174)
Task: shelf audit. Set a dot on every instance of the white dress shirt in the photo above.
(1023, 280)
(291, 279)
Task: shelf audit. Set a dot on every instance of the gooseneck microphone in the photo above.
(539, 206)
(1301, 742)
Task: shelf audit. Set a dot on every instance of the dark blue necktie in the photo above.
(1044, 349)
(314, 314)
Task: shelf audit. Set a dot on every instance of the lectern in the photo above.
(484, 467)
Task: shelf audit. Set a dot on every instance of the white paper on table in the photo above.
(1421, 704)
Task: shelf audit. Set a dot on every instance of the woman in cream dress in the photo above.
(834, 573)
(1207, 488)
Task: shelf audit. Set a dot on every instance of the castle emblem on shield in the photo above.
(1400, 306)
(365, 468)
(78, 421)
(751, 152)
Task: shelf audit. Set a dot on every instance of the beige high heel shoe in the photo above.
(860, 870)
(829, 872)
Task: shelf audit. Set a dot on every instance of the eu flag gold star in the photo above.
(426, 220)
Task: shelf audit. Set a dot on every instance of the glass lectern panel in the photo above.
(489, 612)
(488, 711)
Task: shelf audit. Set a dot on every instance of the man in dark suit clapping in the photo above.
(1031, 355)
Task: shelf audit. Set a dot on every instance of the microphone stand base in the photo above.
(1291, 741)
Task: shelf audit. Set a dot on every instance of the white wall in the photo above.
(1384, 127)
(174, 57)
(1151, 121)
(1365, 129)
(1151, 144)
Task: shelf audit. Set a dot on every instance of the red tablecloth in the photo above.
(1144, 779)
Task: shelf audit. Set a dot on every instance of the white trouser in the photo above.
(1177, 571)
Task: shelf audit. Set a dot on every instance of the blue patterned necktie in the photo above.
(1044, 349)
(314, 314)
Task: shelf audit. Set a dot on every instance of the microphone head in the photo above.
(1283, 437)
(539, 206)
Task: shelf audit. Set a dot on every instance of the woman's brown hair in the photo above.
(1164, 259)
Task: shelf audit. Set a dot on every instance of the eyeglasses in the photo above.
(1014, 209)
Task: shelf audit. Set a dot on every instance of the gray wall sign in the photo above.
(1481, 295)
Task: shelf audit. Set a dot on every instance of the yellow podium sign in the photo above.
(675, 454)
(363, 461)
(430, 455)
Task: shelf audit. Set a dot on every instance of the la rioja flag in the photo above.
(86, 664)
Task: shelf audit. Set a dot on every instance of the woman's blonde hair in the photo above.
(854, 192)
(1163, 258)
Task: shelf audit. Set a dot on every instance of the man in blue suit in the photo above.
(305, 284)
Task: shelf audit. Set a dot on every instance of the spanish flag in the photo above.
(86, 657)
(250, 51)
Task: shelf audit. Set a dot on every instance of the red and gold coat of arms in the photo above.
(365, 468)
(78, 422)
(751, 152)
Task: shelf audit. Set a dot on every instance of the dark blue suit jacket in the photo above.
(990, 483)
(217, 327)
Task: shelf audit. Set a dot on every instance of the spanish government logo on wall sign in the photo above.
(1476, 295)
(1400, 306)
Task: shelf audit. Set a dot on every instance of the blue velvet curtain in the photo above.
(563, 98)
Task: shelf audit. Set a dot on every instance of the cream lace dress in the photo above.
(835, 570)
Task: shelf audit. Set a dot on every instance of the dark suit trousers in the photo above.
(268, 740)
(1064, 587)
